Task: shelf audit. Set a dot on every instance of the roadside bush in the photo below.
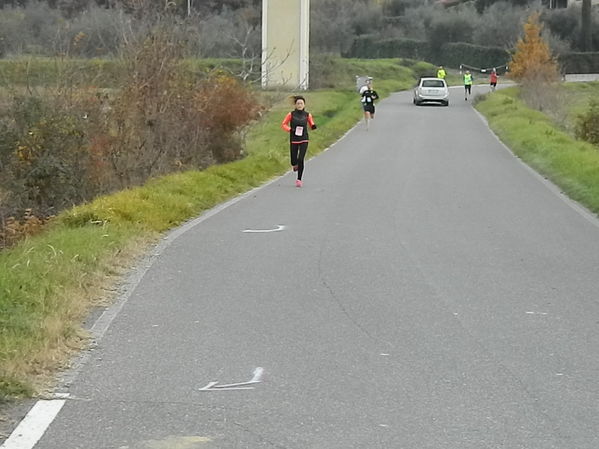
(44, 156)
(587, 124)
(166, 120)
(64, 146)
(535, 68)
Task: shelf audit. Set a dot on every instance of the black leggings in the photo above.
(298, 152)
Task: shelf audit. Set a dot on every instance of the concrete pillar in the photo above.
(285, 43)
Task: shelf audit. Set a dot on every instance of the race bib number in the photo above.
(299, 131)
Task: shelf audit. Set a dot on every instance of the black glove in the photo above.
(313, 126)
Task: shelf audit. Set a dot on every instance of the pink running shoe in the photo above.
(298, 183)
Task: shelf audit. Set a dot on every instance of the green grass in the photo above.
(39, 71)
(569, 163)
(45, 282)
(49, 283)
(578, 96)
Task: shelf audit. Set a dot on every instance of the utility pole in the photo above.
(587, 41)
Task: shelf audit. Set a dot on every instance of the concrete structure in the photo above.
(582, 77)
(285, 43)
(564, 3)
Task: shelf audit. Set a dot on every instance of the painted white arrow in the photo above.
(214, 386)
(277, 229)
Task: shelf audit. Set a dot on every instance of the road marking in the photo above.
(173, 442)
(102, 324)
(256, 379)
(31, 429)
(256, 231)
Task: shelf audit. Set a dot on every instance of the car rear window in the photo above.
(433, 83)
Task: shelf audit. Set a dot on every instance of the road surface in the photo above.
(424, 289)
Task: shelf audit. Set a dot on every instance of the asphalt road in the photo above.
(423, 290)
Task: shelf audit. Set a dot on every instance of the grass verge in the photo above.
(49, 283)
(569, 163)
(577, 100)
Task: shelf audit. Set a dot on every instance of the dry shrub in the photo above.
(44, 158)
(14, 229)
(587, 123)
(65, 146)
(225, 108)
(164, 119)
(535, 68)
(44, 152)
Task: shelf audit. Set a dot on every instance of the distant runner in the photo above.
(441, 73)
(493, 80)
(369, 95)
(467, 84)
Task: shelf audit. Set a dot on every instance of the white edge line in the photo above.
(553, 188)
(31, 429)
(103, 322)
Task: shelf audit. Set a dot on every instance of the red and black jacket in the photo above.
(296, 124)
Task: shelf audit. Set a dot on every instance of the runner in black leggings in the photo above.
(296, 124)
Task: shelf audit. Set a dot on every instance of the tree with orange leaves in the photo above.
(532, 61)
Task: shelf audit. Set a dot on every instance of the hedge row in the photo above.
(580, 62)
(454, 54)
(451, 54)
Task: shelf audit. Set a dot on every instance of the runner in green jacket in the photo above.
(467, 84)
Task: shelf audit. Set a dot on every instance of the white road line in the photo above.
(583, 211)
(214, 385)
(103, 322)
(33, 426)
(277, 229)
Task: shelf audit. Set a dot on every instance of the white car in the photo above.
(433, 90)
